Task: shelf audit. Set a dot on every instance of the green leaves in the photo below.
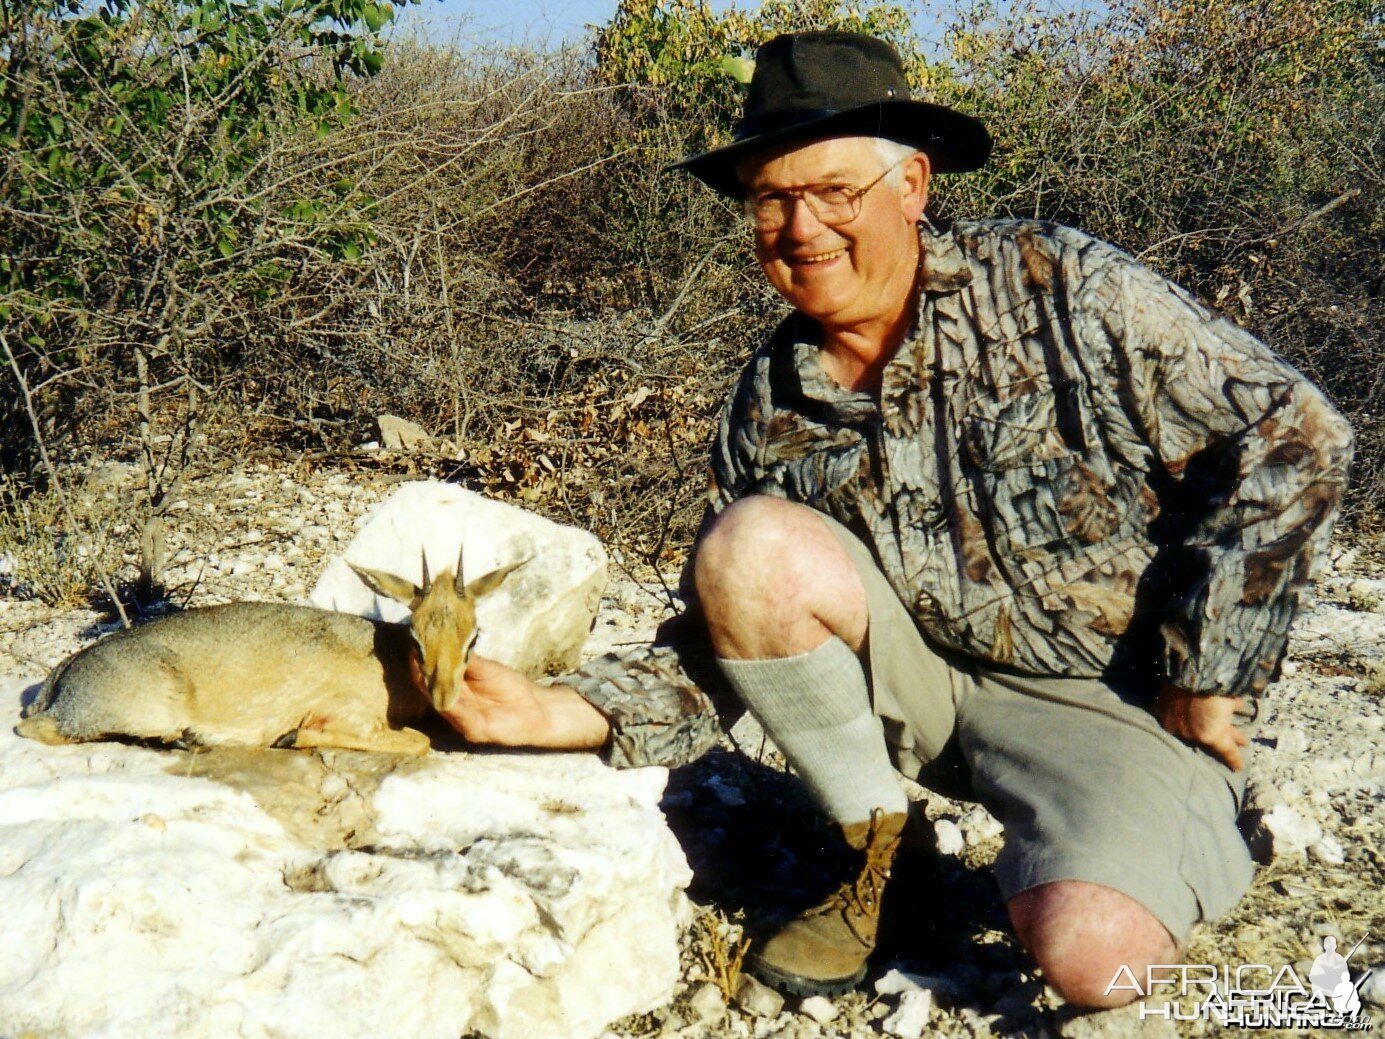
(377, 16)
(142, 109)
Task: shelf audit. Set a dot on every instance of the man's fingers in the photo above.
(1230, 754)
(481, 669)
(1242, 740)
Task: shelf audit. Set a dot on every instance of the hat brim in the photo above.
(954, 143)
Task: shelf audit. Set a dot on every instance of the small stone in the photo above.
(707, 1005)
(1288, 668)
(819, 1009)
(399, 434)
(755, 997)
(896, 982)
(1328, 851)
(978, 826)
(1289, 832)
(949, 837)
(1292, 741)
(1344, 561)
(911, 1015)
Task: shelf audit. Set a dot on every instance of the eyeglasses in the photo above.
(832, 204)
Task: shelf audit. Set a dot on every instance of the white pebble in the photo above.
(979, 825)
(950, 840)
(818, 1008)
(1328, 851)
(910, 1016)
(1290, 832)
(1292, 741)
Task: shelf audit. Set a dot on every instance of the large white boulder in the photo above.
(239, 894)
(539, 617)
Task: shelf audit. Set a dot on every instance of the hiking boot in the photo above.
(823, 951)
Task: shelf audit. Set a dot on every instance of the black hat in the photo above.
(809, 85)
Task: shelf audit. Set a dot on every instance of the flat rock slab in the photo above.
(278, 893)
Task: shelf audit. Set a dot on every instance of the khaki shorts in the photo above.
(1086, 783)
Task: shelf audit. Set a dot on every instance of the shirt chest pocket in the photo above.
(1038, 473)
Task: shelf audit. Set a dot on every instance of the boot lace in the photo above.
(858, 899)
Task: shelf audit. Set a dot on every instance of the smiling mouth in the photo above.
(809, 261)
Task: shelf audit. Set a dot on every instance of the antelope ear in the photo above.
(388, 585)
(485, 585)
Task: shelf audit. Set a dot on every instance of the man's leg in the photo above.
(1080, 934)
(787, 614)
(1118, 838)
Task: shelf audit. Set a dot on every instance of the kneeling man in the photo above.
(995, 488)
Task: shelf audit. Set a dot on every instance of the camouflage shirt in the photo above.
(1072, 469)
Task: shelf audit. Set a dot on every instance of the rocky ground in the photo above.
(757, 848)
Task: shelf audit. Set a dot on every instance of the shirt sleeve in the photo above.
(666, 702)
(663, 701)
(1255, 460)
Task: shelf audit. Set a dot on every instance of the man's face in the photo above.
(852, 273)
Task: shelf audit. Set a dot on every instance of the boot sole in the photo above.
(799, 985)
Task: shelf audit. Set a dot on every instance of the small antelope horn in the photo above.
(459, 582)
(423, 557)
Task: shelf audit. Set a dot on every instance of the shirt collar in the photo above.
(943, 269)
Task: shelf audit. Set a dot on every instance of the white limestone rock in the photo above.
(539, 617)
(949, 837)
(399, 434)
(911, 1015)
(979, 826)
(1289, 832)
(247, 893)
(755, 997)
(819, 1009)
(1328, 851)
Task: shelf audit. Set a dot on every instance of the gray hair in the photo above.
(893, 154)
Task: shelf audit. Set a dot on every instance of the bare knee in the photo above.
(1082, 934)
(773, 581)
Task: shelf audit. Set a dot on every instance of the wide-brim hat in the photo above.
(810, 85)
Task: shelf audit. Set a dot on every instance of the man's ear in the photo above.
(917, 171)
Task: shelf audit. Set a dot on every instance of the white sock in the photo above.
(816, 708)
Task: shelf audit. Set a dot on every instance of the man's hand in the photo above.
(499, 705)
(1206, 721)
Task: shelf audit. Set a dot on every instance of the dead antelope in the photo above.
(271, 674)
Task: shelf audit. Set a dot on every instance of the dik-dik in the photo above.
(271, 674)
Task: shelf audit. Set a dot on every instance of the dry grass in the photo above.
(41, 555)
